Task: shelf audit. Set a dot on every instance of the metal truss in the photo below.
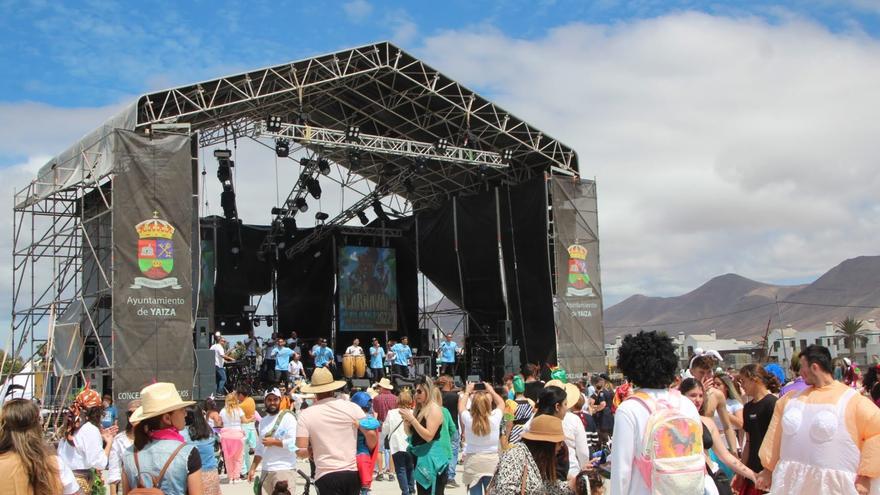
(330, 138)
(61, 256)
(386, 93)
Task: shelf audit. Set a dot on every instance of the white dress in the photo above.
(817, 454)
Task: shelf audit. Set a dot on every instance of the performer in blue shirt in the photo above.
(402, 357)
(447, 353)
(377, 361)
(323, 355)
(282, 354)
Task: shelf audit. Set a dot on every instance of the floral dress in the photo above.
(518, 474)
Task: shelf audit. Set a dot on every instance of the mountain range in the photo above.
(738, 307)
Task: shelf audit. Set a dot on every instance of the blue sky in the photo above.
(721, 133)
(94, 53)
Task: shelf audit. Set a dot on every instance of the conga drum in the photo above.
(360, 366)
(348, 366)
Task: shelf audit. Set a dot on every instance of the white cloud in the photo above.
(719, 144)
(357, 10)
(404, 30)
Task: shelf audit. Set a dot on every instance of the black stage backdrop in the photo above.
(152, 263)
(241, 273)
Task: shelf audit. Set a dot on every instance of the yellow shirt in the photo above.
(862, 422)
(249, 407)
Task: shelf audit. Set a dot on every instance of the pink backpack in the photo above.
(671, 459)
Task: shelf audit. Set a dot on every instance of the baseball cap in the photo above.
(362, 399)
(272, 391)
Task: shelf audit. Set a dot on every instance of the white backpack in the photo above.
(671, 459)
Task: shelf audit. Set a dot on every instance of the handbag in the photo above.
(387, 441)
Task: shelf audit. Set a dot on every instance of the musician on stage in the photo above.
(447, 352)
(297, 372)
(322, 354)
(293, 342)
(282, 354)
(355, 348)
(252, 348)
(377, 360)
(220, 360)
(402, 357)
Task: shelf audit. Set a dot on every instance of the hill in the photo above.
(745, 305)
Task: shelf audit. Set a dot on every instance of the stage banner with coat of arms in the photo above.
(578, 302)
(152, 263)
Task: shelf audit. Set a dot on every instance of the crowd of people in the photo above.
(658, 429)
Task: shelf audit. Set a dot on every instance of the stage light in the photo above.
(380, 213)
(306, 162)
(256, 322)
(224, 154)
(224, 171)
(507, 156)
(321, 216)
(235, 250)
(441, 146)
(362, 216)
(354, 159)
(324, 166)
(484, 169)
(420, 164)
(222, 324)
(279, 211)
(314, 188)
(273, 123)
(352, 133)
(268, 321)
(238, 323)
(301, 204)
(289, 224)
(227, 202)
(282, 148)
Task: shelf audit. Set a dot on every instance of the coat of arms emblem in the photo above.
(578, 278)
(155, 254)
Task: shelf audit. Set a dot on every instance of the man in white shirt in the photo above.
(355, 348)
(276, 447)
(220, 359)
(648, 359)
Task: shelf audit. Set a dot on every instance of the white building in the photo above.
(687, 344)
(784, 343)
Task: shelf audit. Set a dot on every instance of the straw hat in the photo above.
(545, 428)
(385, 383)
(554, 383)
(322, 381)
(158, 399)
(572, 395)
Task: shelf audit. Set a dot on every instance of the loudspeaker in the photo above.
(205, 378)
(510, 359)
(202, 339)
(505, 331)
(474, 378)
(401, 382)
(361, 383)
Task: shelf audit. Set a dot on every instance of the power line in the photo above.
(746, 310)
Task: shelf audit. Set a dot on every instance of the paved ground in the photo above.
(379, 487)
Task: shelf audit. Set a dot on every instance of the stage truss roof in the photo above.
(379, 88)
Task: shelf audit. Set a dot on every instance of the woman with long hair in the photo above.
(85, 447)
(760, 386)
(529, 467)
(395, 436)
(693, 390)
(232, 437)
(481, 424)
(121, 442)
(553, 402)
(733, 404)
(201, 436)
(27, 464)
(432, 450)
(159, 457)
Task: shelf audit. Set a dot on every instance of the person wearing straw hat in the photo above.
(327, 431)
(160, 457)
(383, 402)
(575, 433)
(276, 445)
(529, 467)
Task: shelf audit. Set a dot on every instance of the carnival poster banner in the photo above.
(367, 289)
(152, 263)
(578, 302)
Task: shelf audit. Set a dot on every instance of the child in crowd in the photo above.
(366, 454)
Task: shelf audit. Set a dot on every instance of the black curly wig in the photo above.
(648, 359)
